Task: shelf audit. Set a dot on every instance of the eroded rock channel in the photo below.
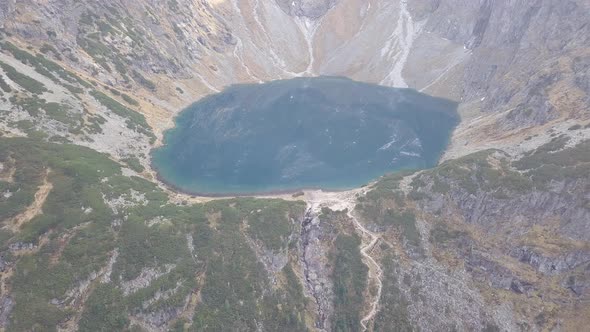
(317, 283)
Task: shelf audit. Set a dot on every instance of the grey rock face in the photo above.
(550, 265)
(6, 306)
(313, 9)
(497, 276)
(18, 246)
(3, 264)
(521, 50)
(547, 25)
(161, 317)
(514, 216)
(316, 275)
(6, 7)
(581, 68)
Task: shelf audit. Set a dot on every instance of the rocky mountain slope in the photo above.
(494, 57)
(497, 237)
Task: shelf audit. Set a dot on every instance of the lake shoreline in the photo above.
(291, 136)
(251, 194)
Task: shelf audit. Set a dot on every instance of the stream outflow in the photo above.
(345, 201)
(306, 229)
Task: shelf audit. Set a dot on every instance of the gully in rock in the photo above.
(306, 228)
(346, 201)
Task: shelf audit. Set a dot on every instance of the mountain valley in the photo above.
(492, 236)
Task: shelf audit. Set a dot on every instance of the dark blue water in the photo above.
(327, 132)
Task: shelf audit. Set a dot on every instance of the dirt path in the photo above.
(34, 209)
(340, 201)
(375, 270)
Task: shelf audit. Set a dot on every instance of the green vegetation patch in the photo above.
(129, 100)
(350, 282)
(37, 107)
(93, 37)
(62, 113)
(388, 186)
(393, 315)
(441, 234)
(551, 162)
(45, 66)
(137, 76)
(105, 311)
(385, 206)
(147, 247)
(234, 295)
(26, 82)
(472, 173)
(405, 220)
(134, 163)
(270, 223)
(82, 232)
(135, 120)
(74, 208)
(27, 177)
(4, 86)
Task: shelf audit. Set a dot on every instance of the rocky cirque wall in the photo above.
(522, 63)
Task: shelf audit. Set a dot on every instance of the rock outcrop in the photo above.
(312, 9)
